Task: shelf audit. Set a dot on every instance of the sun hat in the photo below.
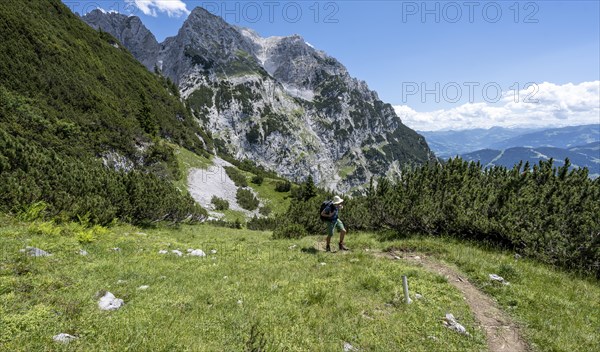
(337, 200)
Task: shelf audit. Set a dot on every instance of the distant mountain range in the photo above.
(450, 143)
(581, 156)
(566, 137)
(506, 147)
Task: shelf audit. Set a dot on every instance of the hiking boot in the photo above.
(343, 248)
(327, 248)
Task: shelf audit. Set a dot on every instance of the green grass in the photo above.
(283, 294)
(291, 300)
(558, 311)
(347, 170)
(232, 215)
(278, 201)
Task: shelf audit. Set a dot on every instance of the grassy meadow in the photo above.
(256, 293)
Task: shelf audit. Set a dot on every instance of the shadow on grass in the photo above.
(309, 250)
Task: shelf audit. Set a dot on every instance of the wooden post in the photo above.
(407, 299)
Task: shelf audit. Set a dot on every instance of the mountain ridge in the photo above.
(452, 143)
(282, 104)
(587, 156)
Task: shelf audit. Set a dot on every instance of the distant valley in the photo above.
(506, 147)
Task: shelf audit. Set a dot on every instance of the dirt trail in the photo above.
(503, 335)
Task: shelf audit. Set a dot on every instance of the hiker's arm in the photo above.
(326, 214)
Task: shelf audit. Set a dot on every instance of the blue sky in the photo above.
(394, 49)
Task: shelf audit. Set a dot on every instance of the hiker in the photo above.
(331, 214)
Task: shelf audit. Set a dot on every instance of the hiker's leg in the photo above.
(330, 229)
(340, 226)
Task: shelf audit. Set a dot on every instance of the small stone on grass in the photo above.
(197, 253)
(110, 302)
(64, 338)
(35, 252)
(451, 323)
(499, 279)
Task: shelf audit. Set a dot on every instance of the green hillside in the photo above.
(256, 293)
(71, 96)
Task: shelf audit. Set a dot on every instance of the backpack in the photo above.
(325, 205)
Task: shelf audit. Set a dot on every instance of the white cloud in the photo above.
(173, 8)
(107, 11)
(551, 106)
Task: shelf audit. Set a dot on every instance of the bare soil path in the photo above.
(503, 334)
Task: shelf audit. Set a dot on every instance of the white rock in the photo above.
(143, 287)
(397, 257)
(417, 257)
(213, 251)
(163, 251)
(418, 296)
(239, 301)
(121, 282)
(348, 347)
(498, 278)
(64, 338)
(225, 277)
(451, 323)
(323, 263)
(292, 246)
(83, 252)
(110, 302)
(35, 252)
(190, 250)
(197, 253)
(116, 249)
(177, 252)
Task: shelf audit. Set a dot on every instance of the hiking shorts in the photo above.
(332, 225)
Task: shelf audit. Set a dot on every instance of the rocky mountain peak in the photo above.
(130, 31)
(282, 103)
